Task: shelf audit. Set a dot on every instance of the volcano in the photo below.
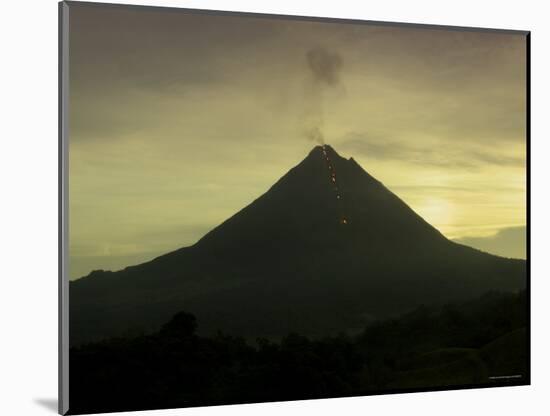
(327, 249)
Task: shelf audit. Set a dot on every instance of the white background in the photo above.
(28, 206)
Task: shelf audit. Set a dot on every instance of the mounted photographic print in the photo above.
(260, 208)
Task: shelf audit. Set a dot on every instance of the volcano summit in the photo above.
(327, 249)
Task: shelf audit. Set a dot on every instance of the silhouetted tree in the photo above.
(183, 324)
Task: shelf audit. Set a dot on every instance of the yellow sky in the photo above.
(177, 121)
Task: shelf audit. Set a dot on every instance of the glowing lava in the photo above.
(332, 173)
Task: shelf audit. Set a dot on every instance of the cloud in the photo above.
(114, 253)
(507, 242)
(427, 154)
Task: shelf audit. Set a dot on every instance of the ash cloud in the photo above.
(324, 65)
(315, 134)
(324, 70)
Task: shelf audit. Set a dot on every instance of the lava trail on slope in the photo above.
(334, 183)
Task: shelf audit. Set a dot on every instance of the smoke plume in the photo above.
(324, 69)
(324, 65)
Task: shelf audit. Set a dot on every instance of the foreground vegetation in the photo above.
(467, 344)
